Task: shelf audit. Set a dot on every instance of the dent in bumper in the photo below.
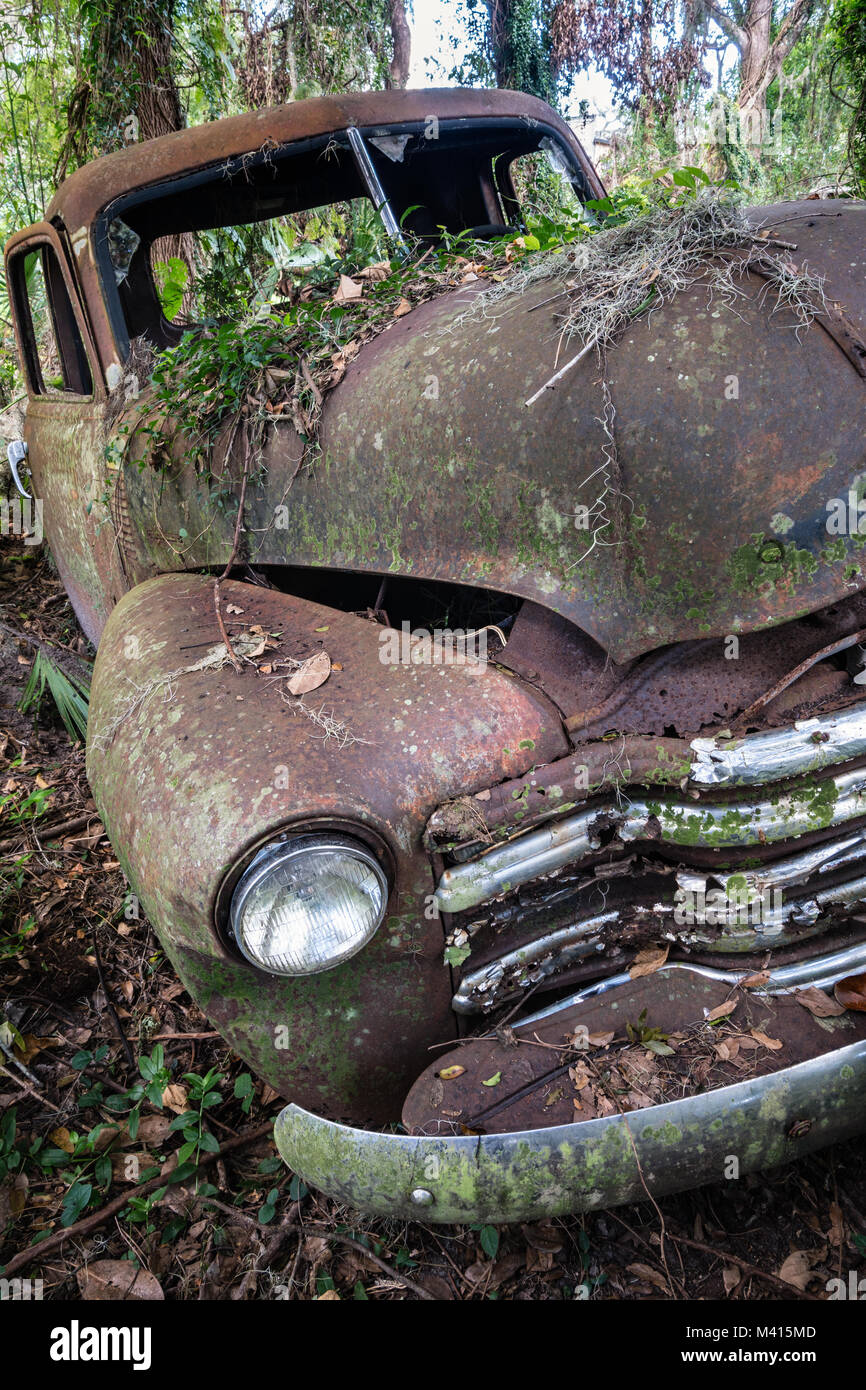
(579, 1167)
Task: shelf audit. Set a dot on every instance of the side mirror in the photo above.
(16, 453)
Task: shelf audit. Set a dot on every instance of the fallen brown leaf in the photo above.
(761, 977)
(347, 290)
(62, 1139)
(836, 1233)
(379, 270)
(107, 1280)
(649, 1276)
(772, 1043)
(851, 992)
(647, 961)
(311, 674)
(175, 1097)
(722, 1010)
(797, 1269)
(819, 1003)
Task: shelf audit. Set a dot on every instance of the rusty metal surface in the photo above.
(91, 188)
(66, 455)
(212, 762)
(693, 685)
(462, 485)
(535, 1089)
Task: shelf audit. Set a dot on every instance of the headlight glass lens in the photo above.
(307, 904)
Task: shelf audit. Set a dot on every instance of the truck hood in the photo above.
(721, 497)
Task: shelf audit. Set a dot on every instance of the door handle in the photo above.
(16, 453)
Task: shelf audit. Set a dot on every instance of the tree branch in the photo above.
(729, 27)
(790, 30)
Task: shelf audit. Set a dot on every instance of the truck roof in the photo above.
(94, 186)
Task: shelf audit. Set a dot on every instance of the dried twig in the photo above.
(789, 1290)
(233, 658)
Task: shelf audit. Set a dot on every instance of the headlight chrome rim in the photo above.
(280, 853)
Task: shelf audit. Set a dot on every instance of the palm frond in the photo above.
(69, 693)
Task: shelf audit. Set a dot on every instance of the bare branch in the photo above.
(729, 26)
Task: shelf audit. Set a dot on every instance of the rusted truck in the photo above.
(515, 932)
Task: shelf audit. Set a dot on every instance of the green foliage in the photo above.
(197, 1139)
(70, 695)
(848, 31)
(509, 46)
(14, 943)
(14, 934)
(268, 1209)
(244, 1091)
(489, 1240)
(652, 1038)
(17, 810)
(172, 278)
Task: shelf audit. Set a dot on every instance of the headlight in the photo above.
(307, 904)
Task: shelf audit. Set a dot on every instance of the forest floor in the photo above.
(87, 1000)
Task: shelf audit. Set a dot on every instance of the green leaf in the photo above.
(172, 1229)
(489, 1238)
(493, 1080)
(75, 1202)
(102, 1170)
(182, 1172)
(171, 278)
(269, 1207)
(69, 693)
(114, 1102)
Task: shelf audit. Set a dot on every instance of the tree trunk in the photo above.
(761, 56)
(156, 103)
(755, 51)
(401, 35)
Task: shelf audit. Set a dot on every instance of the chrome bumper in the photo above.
(597, 1163)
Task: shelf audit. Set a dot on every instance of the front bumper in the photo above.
(536, 1173)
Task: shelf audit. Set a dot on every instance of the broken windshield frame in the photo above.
(426, 179)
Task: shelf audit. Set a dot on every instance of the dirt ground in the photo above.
(94, 1116)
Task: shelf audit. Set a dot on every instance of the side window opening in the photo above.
(484, 182)
(55, 356)
(537, 185)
